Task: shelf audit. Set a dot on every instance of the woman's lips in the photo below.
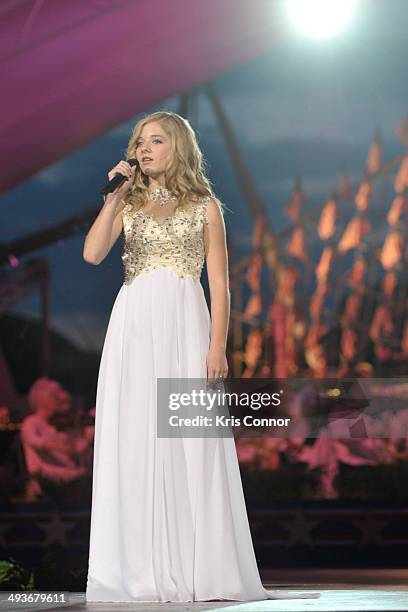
(147, 161)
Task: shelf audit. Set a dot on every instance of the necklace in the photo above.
(162, 195)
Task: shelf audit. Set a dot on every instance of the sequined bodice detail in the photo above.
(177, 242)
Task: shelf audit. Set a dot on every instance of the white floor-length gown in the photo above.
(168, 521)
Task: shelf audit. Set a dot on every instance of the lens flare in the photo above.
(321, 18)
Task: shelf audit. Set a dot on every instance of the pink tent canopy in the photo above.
(73, 69)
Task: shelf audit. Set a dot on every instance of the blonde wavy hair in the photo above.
(185, 170)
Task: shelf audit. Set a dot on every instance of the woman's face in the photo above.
(153, 143)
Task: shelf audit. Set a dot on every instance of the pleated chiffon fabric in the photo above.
(168, 520)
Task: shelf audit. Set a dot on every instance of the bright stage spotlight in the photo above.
(321, 18)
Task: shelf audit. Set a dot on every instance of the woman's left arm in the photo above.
(218, 280)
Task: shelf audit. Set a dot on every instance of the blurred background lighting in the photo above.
(321, 18)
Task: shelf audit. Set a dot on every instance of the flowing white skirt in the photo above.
(168, 521)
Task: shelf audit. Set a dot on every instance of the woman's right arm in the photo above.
(107, 226)
(104, 231)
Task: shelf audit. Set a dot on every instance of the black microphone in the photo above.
(118, 179)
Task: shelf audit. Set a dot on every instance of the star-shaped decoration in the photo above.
(56, 530)
(299, 529)
(370, 528)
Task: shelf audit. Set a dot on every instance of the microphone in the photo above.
(118, 179)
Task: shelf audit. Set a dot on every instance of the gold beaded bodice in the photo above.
(176, 243)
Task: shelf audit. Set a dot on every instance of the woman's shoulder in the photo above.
(206, 200)
(207, 206)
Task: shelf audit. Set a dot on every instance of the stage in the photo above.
(341, 590)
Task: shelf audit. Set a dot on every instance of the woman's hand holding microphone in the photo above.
(123, 167)
(107, 226)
